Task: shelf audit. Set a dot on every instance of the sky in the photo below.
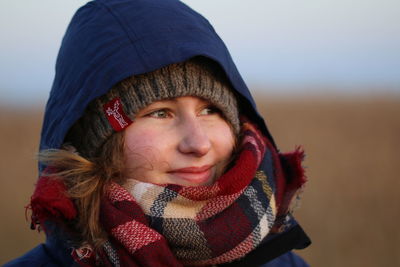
(279, 46)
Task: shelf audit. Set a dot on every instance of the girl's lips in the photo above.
(193, 169)
(194, 175)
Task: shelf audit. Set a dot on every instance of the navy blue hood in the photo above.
(110, 40)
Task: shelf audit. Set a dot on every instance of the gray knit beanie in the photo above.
(199, 77)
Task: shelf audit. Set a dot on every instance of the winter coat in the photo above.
(110, 40)
(54, 254)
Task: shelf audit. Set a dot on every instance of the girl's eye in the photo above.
(159, 114)
(210, 110)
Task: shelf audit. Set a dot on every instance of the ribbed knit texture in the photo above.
(196, 77)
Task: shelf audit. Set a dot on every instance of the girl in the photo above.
(153, 153)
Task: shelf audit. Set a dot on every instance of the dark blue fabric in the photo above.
(109, 40)
(42, 256)
(34, 258)
(289, 259)
(53, 253)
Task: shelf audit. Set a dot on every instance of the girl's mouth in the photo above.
(194, 175)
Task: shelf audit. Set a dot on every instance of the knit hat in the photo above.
(198, 76)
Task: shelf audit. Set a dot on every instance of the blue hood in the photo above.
(110, 40)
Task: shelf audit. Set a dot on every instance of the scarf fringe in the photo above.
(50, 202)
(294, 182)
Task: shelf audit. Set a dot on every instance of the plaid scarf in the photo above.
(172, 225)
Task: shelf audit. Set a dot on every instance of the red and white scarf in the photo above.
(170, 225)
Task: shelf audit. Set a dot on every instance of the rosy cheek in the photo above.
(224, 140)
(142, 136)
(144, 148)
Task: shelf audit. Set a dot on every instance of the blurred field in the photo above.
(350, 207)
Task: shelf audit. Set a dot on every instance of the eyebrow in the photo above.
(169, 100)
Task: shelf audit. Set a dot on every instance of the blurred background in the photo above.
(326, 75)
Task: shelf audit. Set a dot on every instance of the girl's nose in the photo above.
(194, 139)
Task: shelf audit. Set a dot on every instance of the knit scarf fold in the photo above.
(172, 225)
(169, 225)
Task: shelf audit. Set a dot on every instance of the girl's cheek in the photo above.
(223, 132)
(141, 136)
(144, 146)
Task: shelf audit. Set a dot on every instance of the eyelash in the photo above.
(153, 113)
(212, 110)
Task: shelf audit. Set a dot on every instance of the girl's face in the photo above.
(183, 141)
